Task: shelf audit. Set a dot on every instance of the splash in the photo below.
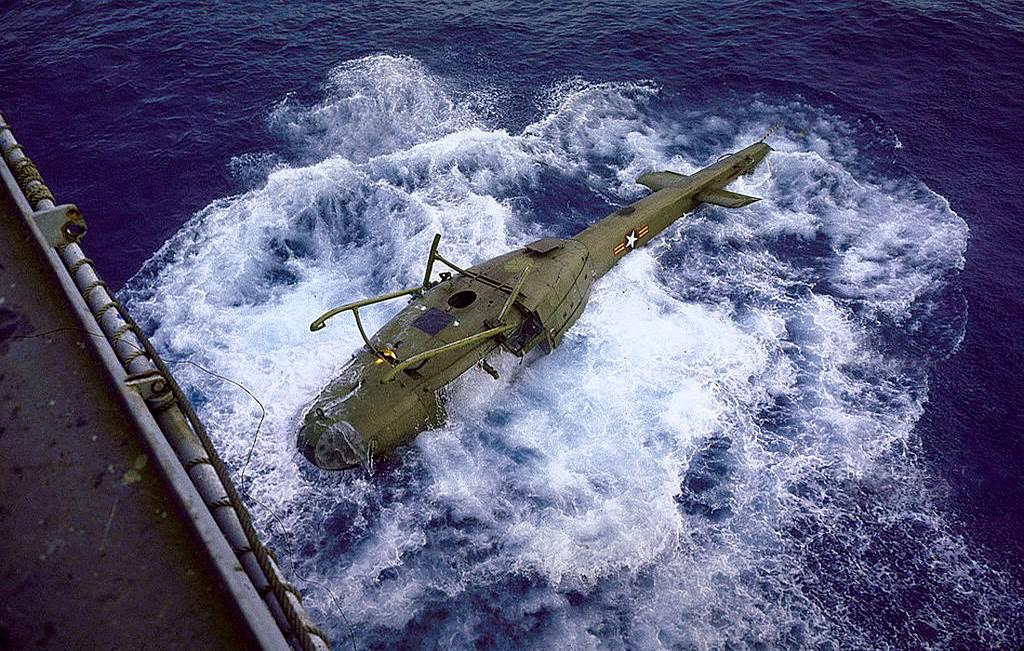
(721, 454)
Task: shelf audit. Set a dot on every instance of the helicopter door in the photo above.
(523, 338)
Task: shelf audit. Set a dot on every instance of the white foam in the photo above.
(682, 462)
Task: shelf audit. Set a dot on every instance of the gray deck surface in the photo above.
(93, 554)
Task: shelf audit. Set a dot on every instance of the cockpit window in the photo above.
(433, 321)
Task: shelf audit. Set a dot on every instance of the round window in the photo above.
(462, 299)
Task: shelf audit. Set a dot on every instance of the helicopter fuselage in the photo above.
(527, 298)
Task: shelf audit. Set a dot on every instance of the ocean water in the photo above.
(795, 425)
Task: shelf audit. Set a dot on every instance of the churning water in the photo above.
(721, 454)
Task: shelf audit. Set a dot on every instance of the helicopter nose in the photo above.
(307, 449)
(338, 446)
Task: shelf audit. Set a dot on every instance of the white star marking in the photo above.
(631, 239)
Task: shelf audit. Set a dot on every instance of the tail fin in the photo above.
(660, 180)
(725, 198)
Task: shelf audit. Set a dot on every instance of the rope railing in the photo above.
(174, 414)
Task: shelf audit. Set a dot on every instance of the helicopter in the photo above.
(525, 299)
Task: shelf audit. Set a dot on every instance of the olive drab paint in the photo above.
(517, 302)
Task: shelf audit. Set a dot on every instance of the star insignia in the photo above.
(631, 239)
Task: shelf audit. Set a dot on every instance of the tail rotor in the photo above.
(770, 131)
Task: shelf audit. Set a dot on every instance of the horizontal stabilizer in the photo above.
(658, 180)
(726, 199)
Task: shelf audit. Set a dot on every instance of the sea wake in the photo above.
(721, 454)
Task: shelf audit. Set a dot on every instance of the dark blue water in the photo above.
(833, 457)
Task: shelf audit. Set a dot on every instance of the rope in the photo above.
(103, 310)
(94, 285)
(198, 461)
(121, 331)
(38, 193)
(263, 408)
(25, 172)
(295, 572)
(301, 628)
(161, 407)
(78, 265)
(28, 177)
(132, 356)
(221, 503)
